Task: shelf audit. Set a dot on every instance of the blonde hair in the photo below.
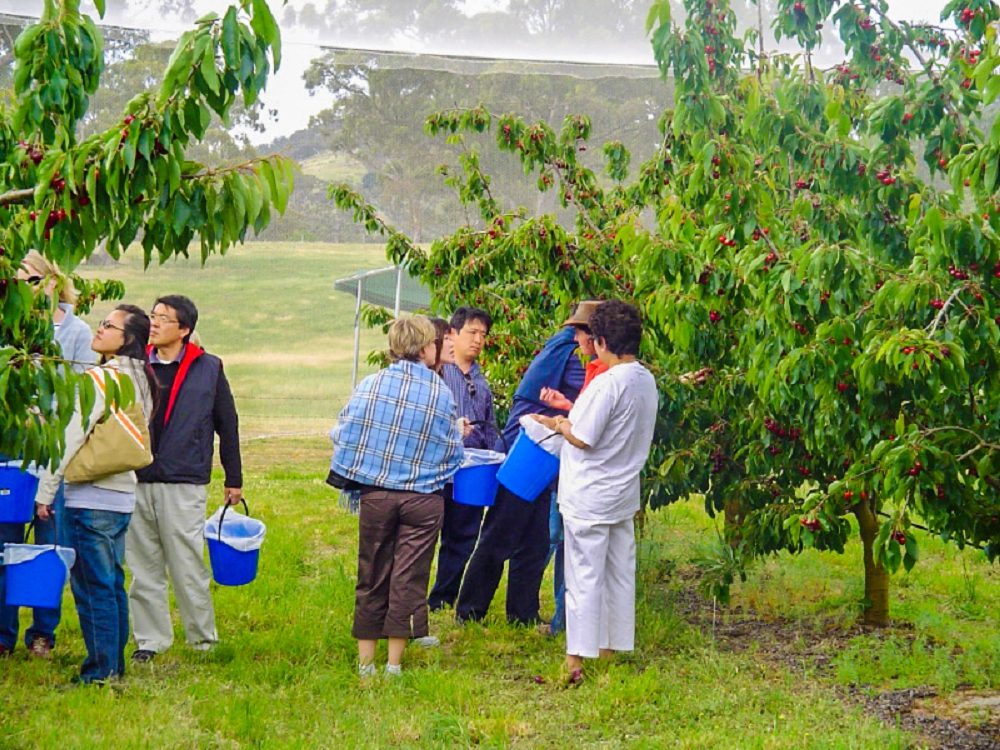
(45, 267)
(409, 336)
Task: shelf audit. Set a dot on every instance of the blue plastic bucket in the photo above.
(231, 566)
(37, 582)
(476, 485)
(528, 469)
(17, 495)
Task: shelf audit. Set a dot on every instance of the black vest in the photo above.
(183, 449)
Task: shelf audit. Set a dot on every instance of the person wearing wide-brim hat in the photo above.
(516, 530)
(580, 322)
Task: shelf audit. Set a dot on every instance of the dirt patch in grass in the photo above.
(961, 720)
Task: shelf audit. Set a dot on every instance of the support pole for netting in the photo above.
(399, 290)
(357, 336)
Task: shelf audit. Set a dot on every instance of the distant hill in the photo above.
(300, 145)
(330, 166)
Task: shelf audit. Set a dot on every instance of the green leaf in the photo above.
(208, 71)
(231, 39)
(264, 24)
(934, 220)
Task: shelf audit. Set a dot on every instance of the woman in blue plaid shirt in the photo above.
(398, 438)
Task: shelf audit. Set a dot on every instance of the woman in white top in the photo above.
(98, 513)
(608, 436)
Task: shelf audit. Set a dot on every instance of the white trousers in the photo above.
(600, 586)
(166, 534)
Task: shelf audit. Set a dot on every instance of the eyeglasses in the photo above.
(161, 319)
(106, 324)
(469, 384)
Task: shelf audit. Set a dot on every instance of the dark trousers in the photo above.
(397, 532)
(514, 530)
(459, 533)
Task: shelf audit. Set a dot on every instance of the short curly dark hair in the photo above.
(619, 324)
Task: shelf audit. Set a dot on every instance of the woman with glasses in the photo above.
(98, 512)
(73, 337)
(398, 437)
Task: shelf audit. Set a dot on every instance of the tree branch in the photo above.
(937, 318)
(14, 197)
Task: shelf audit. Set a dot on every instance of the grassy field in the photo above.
(284, 676)
(785, 666)
(271, 312)
(331, 166)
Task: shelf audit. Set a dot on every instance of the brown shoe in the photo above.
(4, 651)
(40, 648)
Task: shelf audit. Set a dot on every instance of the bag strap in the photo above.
(117, 412)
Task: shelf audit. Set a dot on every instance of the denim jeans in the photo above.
(558, 623)
(45, 621)
(98, 582)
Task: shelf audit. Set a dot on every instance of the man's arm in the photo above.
(227, 426)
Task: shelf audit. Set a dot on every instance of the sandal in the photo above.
(572, 679)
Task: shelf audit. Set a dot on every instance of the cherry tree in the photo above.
(63, 195)
(825, 240)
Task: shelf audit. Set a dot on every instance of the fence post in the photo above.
(399, 289)
(357, 335)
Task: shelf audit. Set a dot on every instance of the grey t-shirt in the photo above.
(87, 496)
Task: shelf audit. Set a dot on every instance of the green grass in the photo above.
(284, 676)
(331, 166)
(271, 312)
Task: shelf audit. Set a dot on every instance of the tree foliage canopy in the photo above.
(825, 240)
(63, 194)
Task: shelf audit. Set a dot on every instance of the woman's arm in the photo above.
(76, 435)
(563, 426)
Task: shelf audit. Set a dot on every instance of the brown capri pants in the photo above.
(397, 534)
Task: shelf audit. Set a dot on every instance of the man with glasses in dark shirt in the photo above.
(516, 532)
(469, 328)
(165, 535)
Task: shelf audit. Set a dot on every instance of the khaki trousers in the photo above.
(166, 534)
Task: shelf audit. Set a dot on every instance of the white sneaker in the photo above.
(366, 670)
(393, 670)
(427, 641)
(203, 645)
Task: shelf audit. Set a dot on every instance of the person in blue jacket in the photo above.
(516, 530)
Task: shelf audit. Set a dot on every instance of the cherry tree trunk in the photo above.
(876, 612)
(733, 515)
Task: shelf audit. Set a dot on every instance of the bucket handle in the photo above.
(491, 423)
(31, 529)
(223, 516)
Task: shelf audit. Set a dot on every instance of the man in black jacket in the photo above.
(194, 404)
